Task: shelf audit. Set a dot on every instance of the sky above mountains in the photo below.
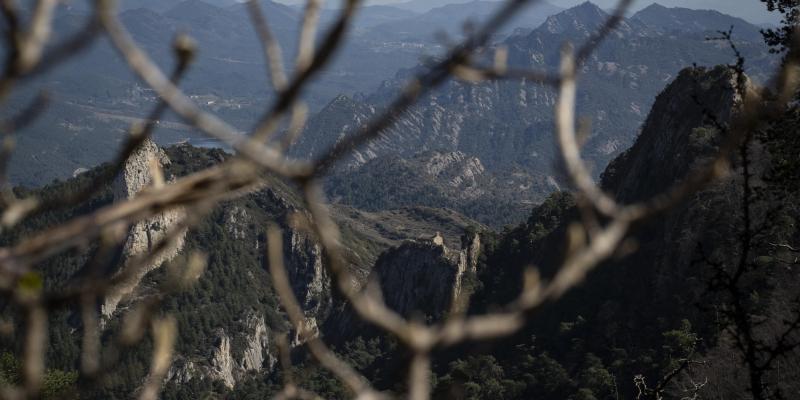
(750, 10)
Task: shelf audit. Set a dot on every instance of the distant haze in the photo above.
(750, 10)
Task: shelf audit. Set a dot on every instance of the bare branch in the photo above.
(35, 348)
(419, 377)
(165, 332)
(33, 41)
(272, 49)
(308, 29)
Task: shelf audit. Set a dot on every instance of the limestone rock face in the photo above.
(181, 371)
(467, 263)
(136, 174)
(508, 125)
(426, 278)
(457, 167)
(257, 354)
(224, 364)
(144, 235)
(300, 338)
(420, 279)
(309, 278)
(441, 179)
(457, 170)
(302, 253)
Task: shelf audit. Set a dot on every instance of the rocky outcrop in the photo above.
(222, 362)
(223, 365)
(303, 255)
(144, 236)
(425, 278)
(678, 135)
(302, 252)
(467, 263)
(137, 174)
(257, 355)
(457, 170)
(227, 320)
(309, 278)
(421, 279)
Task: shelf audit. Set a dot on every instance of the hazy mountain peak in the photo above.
(670, 19)
(587, 9)
(583, 19)
(654, 7)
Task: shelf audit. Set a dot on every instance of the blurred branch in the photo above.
(272, 49)
(308, 29)
(165, 332)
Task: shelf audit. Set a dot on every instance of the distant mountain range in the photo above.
(680, 20)
(453, 20)
(507, 125)
(418, 6)
(96, 98)
(753, 11)
(422, 6)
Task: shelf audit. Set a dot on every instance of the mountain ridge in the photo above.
(701, 21)
(508, 125)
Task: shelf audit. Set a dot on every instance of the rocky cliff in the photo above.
(678, 136)
(707, 237)
(420, 279)
(143, 236)
(458, 170)
(310, 280)
(222, 364)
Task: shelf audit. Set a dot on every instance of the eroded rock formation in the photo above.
(225, 364)
(310, 279)
(426, 278)
(144, 236)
